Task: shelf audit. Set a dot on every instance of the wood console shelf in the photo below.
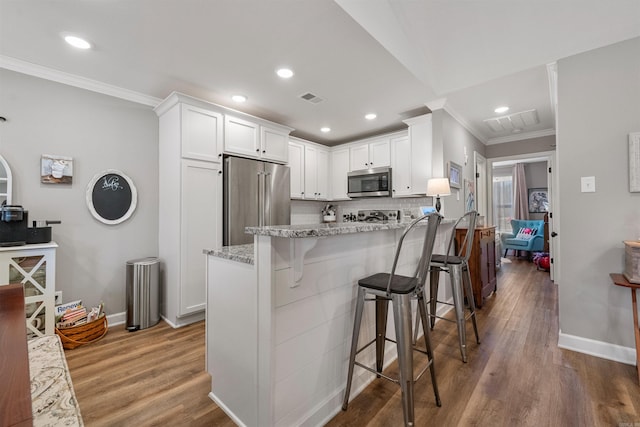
(482, 262)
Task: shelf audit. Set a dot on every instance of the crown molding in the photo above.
(35, 70)
(436, 104)
(521, 136)
(465, 124)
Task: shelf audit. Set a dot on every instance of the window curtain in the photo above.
(521, 198)
(503, 198)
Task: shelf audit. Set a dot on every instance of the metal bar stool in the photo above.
(458, 268)
(399, 290)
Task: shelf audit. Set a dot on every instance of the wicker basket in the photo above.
(84, 334)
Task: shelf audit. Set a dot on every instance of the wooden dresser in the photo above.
(482, 262)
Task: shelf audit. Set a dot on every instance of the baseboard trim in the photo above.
(603, 350)
(226, 410)
(117, 319)
(184, 321)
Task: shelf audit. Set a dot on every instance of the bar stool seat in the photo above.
(457, 266)
(400, 290)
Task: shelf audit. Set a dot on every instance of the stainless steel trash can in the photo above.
(143, 293)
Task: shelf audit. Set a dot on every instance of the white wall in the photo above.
(598, 105)
(100, 132)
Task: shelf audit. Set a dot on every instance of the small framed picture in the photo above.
(538, 200)
(56, 169)
(455, 175)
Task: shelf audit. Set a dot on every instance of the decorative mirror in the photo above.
(111, 197)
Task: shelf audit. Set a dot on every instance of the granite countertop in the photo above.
(330, 229)
(240, 253)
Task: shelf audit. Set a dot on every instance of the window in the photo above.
(502, 199)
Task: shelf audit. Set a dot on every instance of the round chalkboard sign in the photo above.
(111, 197)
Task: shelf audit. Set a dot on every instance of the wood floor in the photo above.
(152, 377)
(517, 376)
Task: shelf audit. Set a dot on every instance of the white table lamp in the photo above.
(437, 187)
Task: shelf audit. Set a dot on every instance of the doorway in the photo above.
(500, 195)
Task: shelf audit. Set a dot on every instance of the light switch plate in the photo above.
(588, 184)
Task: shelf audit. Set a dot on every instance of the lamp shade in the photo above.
(438, 187)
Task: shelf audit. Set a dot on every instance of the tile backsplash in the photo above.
(309, 211)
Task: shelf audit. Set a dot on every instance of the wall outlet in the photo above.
(58, 299)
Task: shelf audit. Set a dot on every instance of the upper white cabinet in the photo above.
(309, 170)
(339, 162)
(371, 154)
(250, 139)
(316, 173)
(201, 134)
(296, 169)
(241, 137)
(412, 158)
(401, 166)
(274, 144)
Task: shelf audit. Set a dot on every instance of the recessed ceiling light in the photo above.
(239, 98)
(285, 73)
(370, 116)
(77, 42)
(325, 129)
(501, 110)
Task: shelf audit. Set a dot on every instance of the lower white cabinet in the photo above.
(190, 220)
(201, 212)
(35, 267)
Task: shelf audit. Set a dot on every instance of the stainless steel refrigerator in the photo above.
(256, 193)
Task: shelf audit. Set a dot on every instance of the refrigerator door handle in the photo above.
(261, 199)
(267, 198)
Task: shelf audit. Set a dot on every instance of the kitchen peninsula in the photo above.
(280, 317)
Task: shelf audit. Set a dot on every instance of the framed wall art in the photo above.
(56, 169)
(538, 200)
(111, 197)
(454, 171)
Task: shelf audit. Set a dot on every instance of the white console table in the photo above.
(34, 266)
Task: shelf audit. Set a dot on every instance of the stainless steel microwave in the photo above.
(369, 183)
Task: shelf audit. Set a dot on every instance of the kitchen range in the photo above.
(383, 216)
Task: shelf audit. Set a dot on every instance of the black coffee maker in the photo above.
(13, 225)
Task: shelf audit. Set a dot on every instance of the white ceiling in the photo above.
(391, 57)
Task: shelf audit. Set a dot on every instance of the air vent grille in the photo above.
(312, 98)
(513, 122)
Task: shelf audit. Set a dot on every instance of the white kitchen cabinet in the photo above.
(339, 169)
(247, 138)
(201, 134)
(241, 137)
(198, 230)
(412, 158)
(401, 166)
(190, 209)
(371, 154)
(35, 267)
(296, 169)
(274, 144)
(316, 176)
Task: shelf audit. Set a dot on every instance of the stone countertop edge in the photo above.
(239, 253)
(330, 229)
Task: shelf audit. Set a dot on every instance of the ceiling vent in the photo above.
(314, 99)
(515, 122)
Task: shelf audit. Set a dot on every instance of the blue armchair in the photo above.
(520, 242)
